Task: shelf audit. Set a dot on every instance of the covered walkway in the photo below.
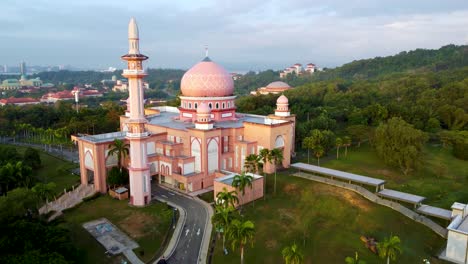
(341, 175)
(435, 212)
(415, 200)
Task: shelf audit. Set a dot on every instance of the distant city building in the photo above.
(23, 68)
(272, 88)
(298, 70)
(69, 95)
(122, 86)
(19, 101)
(236, 76)
(14, 84)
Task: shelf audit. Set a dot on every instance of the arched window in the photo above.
(190, 105)
(224, 105)
(229, 104)
(217, 105)
(210, 105)
(196, 105)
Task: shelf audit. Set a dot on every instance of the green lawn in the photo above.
(54, 170)
(330, 220)
(441, 177)
(148, 226)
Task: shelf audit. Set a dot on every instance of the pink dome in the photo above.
(282, 100)
(207, 79)
(203, 108)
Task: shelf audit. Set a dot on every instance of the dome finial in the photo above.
(206, 50)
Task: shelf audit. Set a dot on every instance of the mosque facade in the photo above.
(189, 146)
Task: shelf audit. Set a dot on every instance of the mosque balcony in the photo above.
(134, 72)
(137, 135)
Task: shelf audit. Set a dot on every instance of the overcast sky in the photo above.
(241, 35)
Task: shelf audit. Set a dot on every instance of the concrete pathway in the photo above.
(67, 200)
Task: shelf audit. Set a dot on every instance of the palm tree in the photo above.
(44, 191)
(240, 182)
(277, 157)
(318, 152)
(119, 148)
(240, 233)
(6, 177)
(389, 248)
(23, 174)
(308, 143)
(252, 163)
(346, 144)
(355, 260)
(338, 144)
(292, 255)
(226, 198)
(222, 218)
(265, 157)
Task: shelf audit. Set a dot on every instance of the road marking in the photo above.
(187, 231)
(198, 233)
(164, 196)
(171, 193)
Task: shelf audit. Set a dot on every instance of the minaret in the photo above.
(140, 188)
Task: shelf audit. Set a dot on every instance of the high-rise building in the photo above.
(23, 68)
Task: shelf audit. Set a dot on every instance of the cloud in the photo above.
(242, 35)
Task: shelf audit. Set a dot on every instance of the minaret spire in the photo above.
(133, 37)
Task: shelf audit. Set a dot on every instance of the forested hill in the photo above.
(445, 58)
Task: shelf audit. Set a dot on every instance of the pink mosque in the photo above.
(201, 144)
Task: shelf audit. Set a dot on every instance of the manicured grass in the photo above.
(441, 177)
(326, 222)
(148, 226)
(54, 170)
(207, 197)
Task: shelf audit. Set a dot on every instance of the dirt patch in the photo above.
(271, 244)
(356, 201)
(290, 188)
(135, 225)
(286, 215)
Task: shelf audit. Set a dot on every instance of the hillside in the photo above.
(446, 58)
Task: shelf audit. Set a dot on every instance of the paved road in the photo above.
(188, 248)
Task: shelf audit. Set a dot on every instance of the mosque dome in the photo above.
(282, 100)
(203, 108)
(207, 79)
(278, 84)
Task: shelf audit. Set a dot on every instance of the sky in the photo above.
(241, 35)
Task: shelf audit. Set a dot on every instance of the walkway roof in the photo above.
(401, 196)
(435, 211)
(338, 174)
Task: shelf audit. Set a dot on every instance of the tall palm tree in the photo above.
(355, 260)
(277, 157)
(338, 144)
(222, 219)
(252, 163)
(318, 152)
(119, 148)
(265, 157)
(240, 233)
(23, 174)
(44, 191)
(292, 254)
(226, 198)
(240, 182)
(6, 177)
(346, 144)
(390, 248)
(307, 143)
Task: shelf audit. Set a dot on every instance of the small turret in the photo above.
(203, 117)
(282, 106)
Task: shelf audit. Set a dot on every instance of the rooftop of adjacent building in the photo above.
(229, 178)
